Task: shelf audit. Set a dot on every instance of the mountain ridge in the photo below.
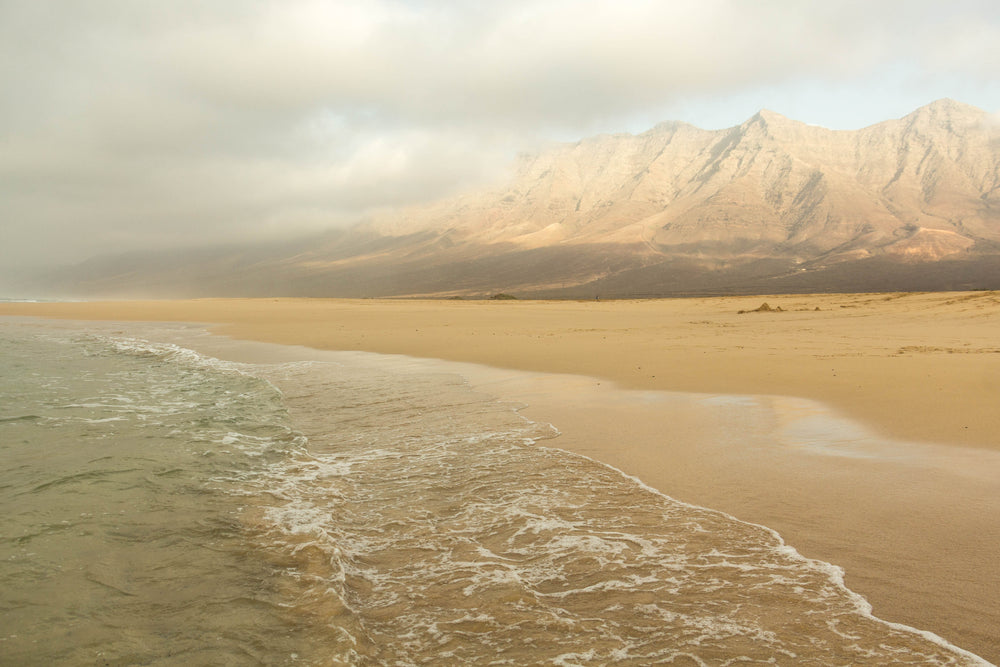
(556, 192)
(681, 201)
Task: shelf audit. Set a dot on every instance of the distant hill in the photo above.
(770, 205)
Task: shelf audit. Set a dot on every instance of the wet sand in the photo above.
(916, 526)
(906, 498)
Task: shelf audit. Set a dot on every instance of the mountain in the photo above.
(770, 205)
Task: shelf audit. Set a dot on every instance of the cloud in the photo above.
(128, 124)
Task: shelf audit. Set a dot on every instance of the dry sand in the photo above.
(908, 499)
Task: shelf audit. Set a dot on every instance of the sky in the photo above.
(137, 124)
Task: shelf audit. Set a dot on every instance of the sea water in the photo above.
(164, 507)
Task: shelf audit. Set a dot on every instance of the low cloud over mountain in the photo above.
(770, 205)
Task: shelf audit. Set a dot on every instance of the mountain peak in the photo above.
(946, 103)
(767, 119)
(771, 116)
(947, 108)
(669, 126)
(770, 123)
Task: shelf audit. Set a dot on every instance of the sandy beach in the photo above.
(905, 385)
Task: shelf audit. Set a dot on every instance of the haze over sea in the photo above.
(165, 507)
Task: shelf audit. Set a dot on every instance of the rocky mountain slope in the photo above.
(770, 205)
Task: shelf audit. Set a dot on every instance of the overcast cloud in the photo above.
(127, 124)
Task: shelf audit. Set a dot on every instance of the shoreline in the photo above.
(882, 510)
(915, 525)
(912, 366)
(860, 502)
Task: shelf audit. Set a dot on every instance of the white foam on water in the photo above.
(541, 552)
(426, 524)
(834, 573)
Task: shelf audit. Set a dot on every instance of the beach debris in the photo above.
(762, 308)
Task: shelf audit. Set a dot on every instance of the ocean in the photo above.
(165, 507)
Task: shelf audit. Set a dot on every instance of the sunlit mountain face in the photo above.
(770, 205)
